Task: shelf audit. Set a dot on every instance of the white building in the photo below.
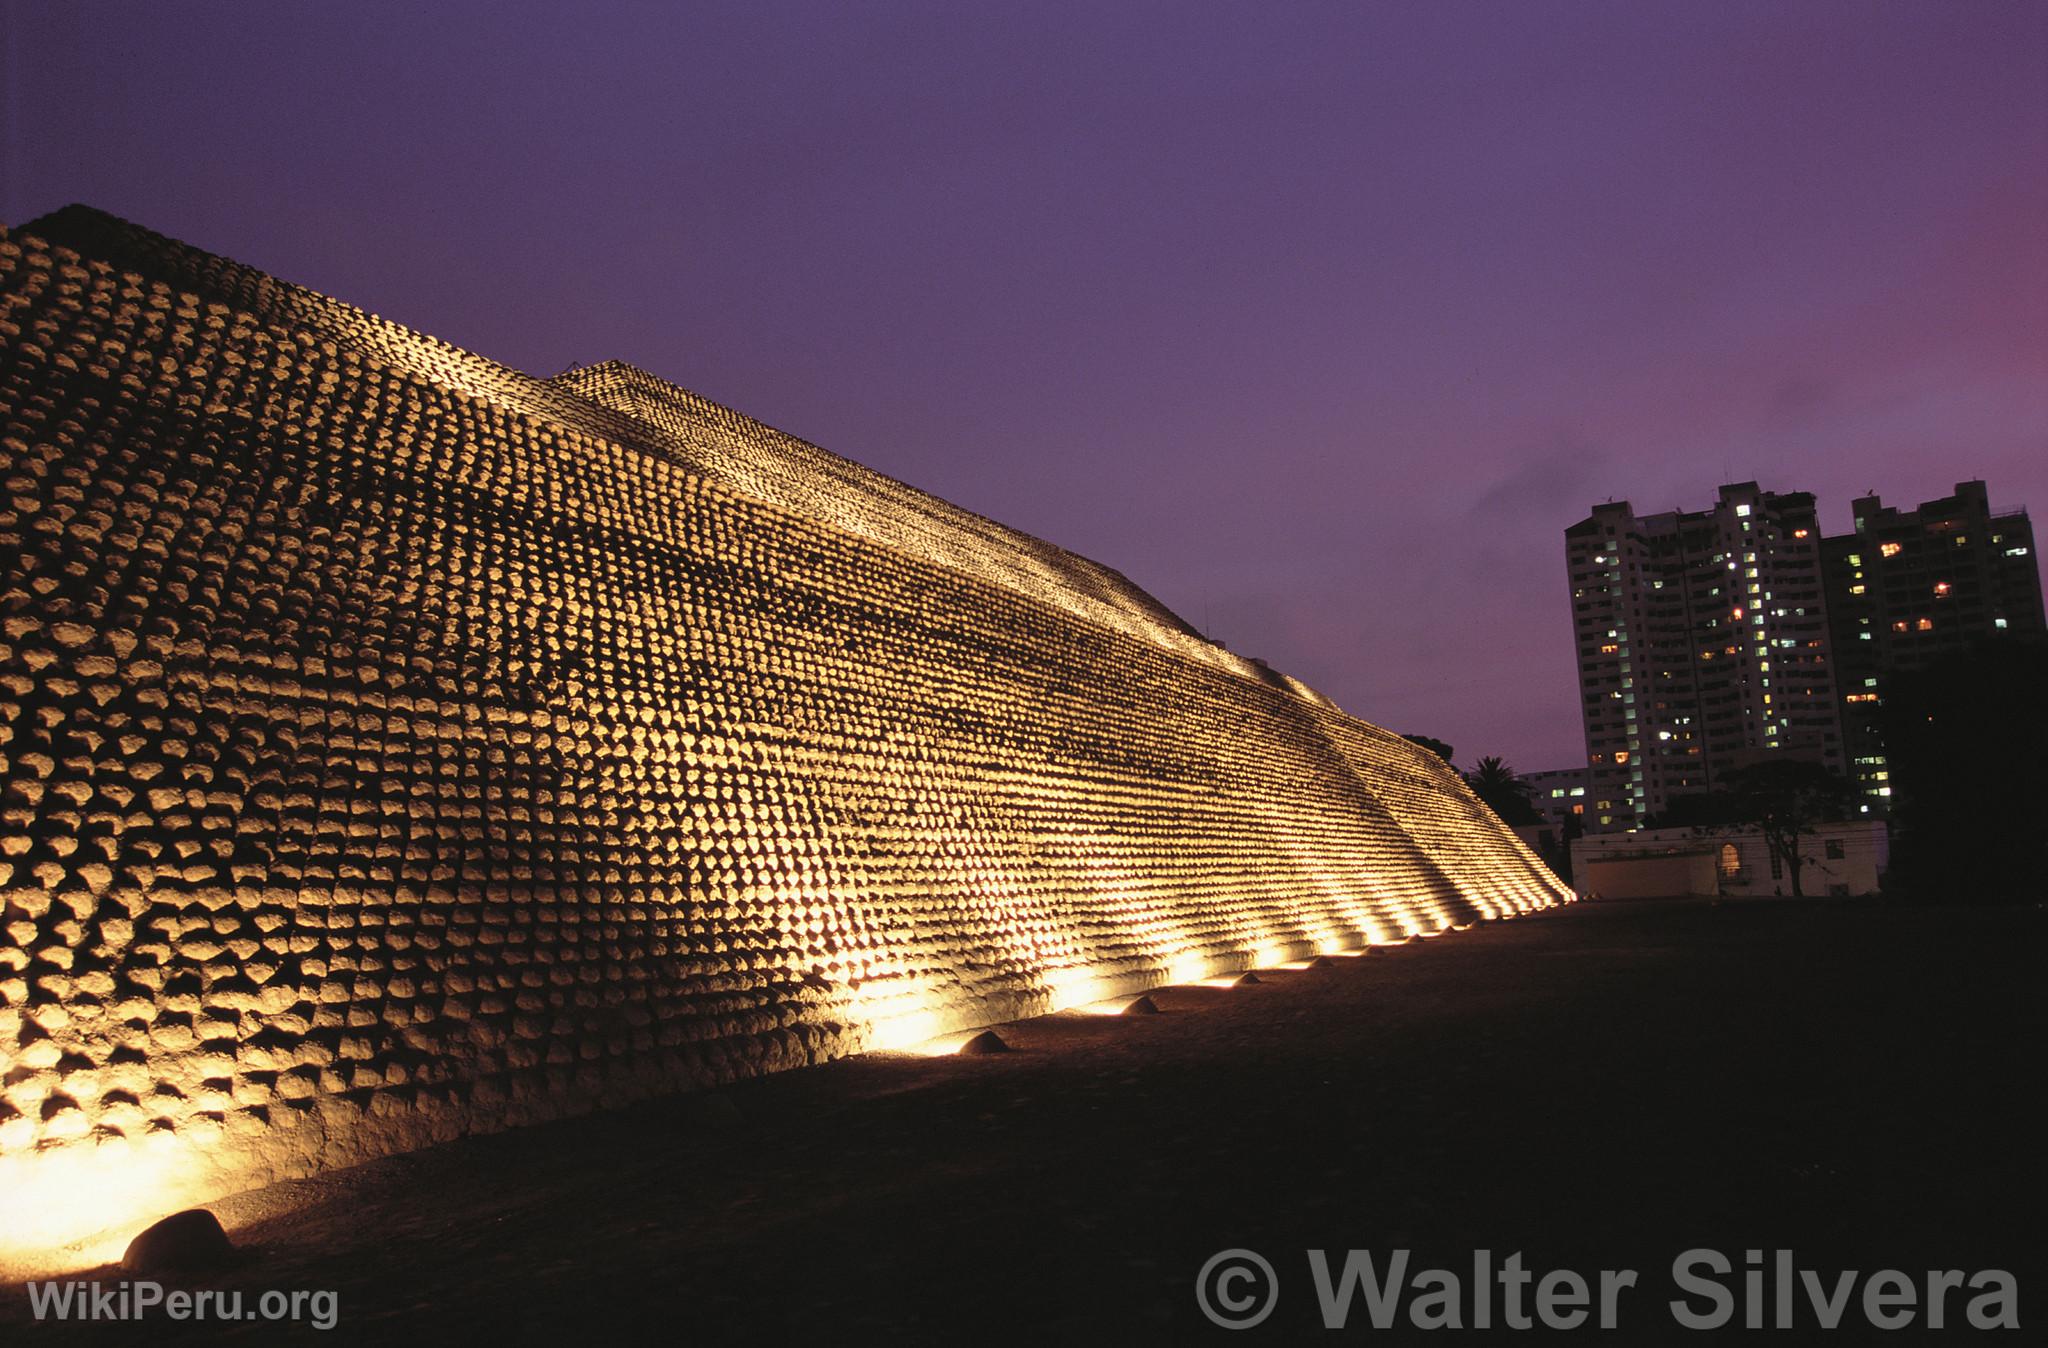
(1839, 860)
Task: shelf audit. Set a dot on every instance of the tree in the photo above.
(1507, 795)
(1785, 799)
(1574, 829)
(1434, 745)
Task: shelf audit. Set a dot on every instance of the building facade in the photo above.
(1840, 860)
(1909, 586)
(1703, 645)
(1559, 795)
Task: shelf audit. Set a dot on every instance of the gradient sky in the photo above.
(1320, 322)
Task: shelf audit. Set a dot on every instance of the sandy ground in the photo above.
(1601, 1087)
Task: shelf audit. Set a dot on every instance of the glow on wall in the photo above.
(398, 746)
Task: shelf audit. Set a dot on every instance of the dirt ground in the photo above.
(1599, 1088)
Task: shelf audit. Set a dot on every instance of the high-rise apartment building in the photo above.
(1703, 645)
(1910, 585)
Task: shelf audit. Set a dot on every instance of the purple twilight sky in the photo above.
(1319, 321)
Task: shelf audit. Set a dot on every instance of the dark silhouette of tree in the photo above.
(1434, 745)
(1785, 799)
(1574, 829)
(1965, 740)
(1507, 795)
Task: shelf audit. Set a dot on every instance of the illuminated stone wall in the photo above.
(397, 746)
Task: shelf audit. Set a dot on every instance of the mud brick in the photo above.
(403, 744)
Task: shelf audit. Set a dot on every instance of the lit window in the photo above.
(2015, 552)
(1742, 510)
(1621, 755)
(1998, 622)
(1855, 589)
(1941, 589)
(1925, 624)
(1891, 549)
(1899, 626)
(1799, 533)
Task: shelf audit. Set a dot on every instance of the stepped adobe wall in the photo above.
(615, 401)
(396, 746)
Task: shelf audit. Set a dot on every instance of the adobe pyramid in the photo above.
(397, 746)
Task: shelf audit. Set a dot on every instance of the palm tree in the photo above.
(1507, 795)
